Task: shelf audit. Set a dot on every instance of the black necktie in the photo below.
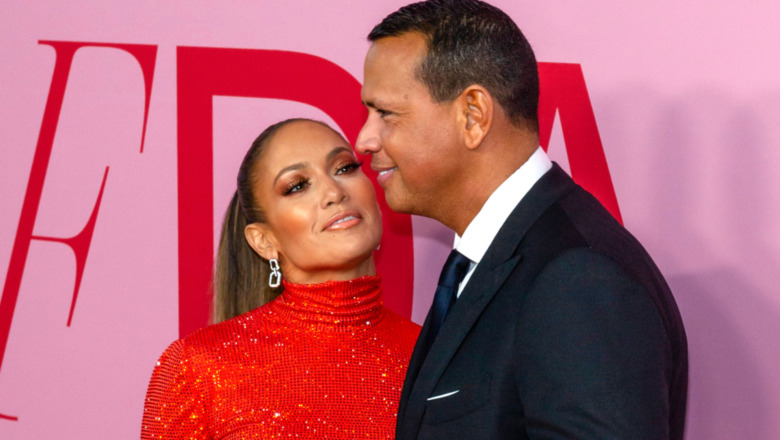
(452, 274)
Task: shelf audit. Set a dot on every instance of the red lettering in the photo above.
(205, 72)
(562, 87)
(65, 51)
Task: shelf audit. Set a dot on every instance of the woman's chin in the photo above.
(361, 263)
(337, 260)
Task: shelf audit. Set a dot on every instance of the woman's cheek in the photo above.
(294, 226)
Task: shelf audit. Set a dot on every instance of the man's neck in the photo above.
(487, 170)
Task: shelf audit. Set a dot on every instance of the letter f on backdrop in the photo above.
(80, 243)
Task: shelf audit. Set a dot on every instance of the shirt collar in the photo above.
(479, 234)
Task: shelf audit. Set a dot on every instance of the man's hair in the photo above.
(471, 42)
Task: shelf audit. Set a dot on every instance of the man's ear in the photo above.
(261, 239)
(477, 107)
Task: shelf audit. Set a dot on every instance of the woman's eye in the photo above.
(296, 186)
(348, 168)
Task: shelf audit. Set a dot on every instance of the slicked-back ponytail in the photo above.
(240, 274)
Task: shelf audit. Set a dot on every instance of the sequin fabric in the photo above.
(322, 361)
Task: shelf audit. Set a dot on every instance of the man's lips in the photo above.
(343, 220)
(383, 174)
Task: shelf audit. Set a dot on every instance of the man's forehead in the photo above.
(391, 64)
(409, 46)
(389, 90)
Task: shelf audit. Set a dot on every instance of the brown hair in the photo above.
(240, 274)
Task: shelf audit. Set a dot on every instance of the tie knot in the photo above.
(454, 269)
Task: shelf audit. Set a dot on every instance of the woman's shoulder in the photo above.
(209, 340)
(405, 327)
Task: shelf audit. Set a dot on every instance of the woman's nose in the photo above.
(333, 193)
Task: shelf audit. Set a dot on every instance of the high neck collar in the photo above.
(333, 305)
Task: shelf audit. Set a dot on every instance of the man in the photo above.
(563, 327)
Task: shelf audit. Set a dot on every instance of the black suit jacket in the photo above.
(566, 330)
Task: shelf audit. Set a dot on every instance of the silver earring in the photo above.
(276, 275)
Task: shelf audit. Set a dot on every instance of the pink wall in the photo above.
(686, 98)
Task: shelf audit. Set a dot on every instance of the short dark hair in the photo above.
(471, 42)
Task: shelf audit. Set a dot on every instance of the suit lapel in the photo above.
(497, 264)
(414, 368)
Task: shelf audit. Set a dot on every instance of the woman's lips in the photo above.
(343, 220)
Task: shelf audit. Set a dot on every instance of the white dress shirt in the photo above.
(479, 234)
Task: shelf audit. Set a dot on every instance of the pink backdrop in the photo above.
(685, 97)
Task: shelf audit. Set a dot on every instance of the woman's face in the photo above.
(323, 221)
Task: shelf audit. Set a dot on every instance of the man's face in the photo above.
(412, 139)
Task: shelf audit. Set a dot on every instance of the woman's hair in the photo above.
(240, 274)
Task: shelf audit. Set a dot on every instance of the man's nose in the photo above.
(368, 138)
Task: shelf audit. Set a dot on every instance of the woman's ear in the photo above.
(477, 110)
(261, 239)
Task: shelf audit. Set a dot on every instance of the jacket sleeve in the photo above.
(593, 356)
(175, 405)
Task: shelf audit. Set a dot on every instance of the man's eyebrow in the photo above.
(377, 103)
(293, 167)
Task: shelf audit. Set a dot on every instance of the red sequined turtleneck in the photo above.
(322, 361)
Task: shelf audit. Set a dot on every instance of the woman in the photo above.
(323, 359)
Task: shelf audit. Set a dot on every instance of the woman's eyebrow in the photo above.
(293, 167)
(338, 150)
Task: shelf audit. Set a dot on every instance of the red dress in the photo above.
(322, 361)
